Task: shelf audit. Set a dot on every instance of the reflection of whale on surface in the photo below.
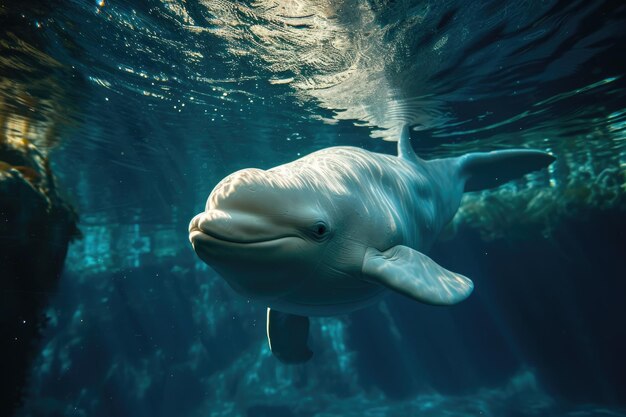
(330, 232)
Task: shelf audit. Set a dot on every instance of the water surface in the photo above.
(142, 107)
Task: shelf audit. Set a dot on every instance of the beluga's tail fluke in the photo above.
(484, 170)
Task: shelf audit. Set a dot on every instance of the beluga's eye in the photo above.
(320, 230)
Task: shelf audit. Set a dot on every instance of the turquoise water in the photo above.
(142, 107)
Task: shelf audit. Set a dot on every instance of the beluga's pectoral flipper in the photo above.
(409, 272)
(287, 335)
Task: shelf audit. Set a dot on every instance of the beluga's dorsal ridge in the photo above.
(334, 231)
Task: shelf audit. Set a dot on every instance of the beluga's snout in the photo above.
(243, 208)
(248, 228)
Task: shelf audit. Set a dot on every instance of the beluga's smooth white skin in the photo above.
(333, 231)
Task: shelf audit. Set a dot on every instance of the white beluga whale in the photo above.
(334, 231)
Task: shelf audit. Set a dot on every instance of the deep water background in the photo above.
(145, 106)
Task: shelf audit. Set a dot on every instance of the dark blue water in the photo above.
(142, 107)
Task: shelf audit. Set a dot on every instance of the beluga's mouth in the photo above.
(207, 235)
(219, 228)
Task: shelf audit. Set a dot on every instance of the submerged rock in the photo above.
(36, 226)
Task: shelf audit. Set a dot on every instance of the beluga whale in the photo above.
(336, 230)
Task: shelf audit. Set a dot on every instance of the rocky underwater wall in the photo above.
(36, 221)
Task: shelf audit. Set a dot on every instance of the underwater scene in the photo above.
(312, 208)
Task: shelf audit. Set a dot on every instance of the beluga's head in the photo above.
(261, 233)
